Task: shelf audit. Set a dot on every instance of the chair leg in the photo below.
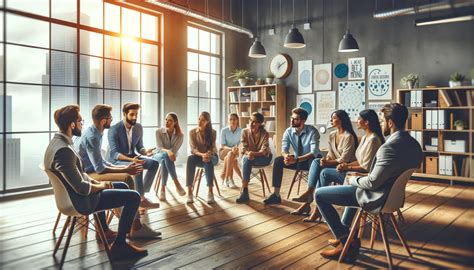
(292, 183)
(217, 186)
(373, 234)
(401, 218)
(98, 227)
(199, 177)
(262, 180)
(110, 216)
(158, 181)
(362, 226)
(61, 235)
(300, 177)
(68, 240)
(385, 241)
(400, 236)
(85, 228)
(266, 179)
(351, 235)
(57, 222)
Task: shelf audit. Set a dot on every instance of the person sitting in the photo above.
(399, 153)
(254, 150)
(202, 141)
(304, 139)
(229, 151)
(89, 195)
(342, 145)
(89, 146)
(168, 141)
(126, 146)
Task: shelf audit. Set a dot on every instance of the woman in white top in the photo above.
(229, 151)
(168, 141)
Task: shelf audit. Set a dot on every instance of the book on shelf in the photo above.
(234, 96)
(471, 171)
(255, 96)
(417, 136)
(272, 110)
(469, 98)
(270, 125)
(445, 98)
(234, 108)
(245, 95)
(416, 98)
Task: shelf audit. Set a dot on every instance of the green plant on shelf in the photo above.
(237, 74)
(457, 77)
(270, 75)
(459, 124)
(410, 80)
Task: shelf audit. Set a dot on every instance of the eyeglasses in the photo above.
(295, 119)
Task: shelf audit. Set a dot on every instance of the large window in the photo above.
(58, 52)
(204, 75)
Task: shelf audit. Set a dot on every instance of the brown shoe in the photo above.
(126, 251)
(147, 204)
(314, 217)
(334, 253)
(303, 210)
(305, 197)
(109, 236)
(334, 242)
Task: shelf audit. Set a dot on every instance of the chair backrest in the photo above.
(61, 195)
(396, 197)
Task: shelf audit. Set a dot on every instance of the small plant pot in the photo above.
(272, 97)
(269, 80)
(459, 127)
(411, 84)
(454, 84)
(243, 82)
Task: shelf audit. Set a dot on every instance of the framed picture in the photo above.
(325, 106)
(352, 98)
(323, 77)
(306, 102)
(380, 82)
(305, 77)
(377, 106)
(357, 68)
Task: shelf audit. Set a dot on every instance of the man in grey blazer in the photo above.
(399, 153)
(126, 146)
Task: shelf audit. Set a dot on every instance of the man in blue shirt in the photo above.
(304, 139)
(89, 149)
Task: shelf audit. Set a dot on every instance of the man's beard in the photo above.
(107, 125)
(131, 122)
(77, 132)
(294, 125)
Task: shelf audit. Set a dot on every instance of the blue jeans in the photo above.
(196, 161)
(167, 167)
(314, 173)
(151, 166)
(279, 165)
(120, 196)
(257, 161)
(329, 176)
(338, 195)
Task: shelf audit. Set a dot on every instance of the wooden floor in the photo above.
(439, 230)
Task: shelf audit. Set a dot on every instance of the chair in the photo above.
(65, 206)
(394, 202)
(300, 175)
(260, 174)
(198, 177)
(157, 181)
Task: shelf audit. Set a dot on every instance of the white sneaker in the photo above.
(162, 195)
(231, 183)
(224, 183)
(210, 198)
(190, 198)
(144, 232)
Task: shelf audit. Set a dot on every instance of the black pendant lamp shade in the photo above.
(348, 43)
(257, 50)
(294, 39)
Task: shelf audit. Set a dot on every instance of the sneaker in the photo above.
(147, 204)
(273, 199)
(231, 183)
(190, 198)
(162, 196)
(243, 198)
(144, 232)
(210, 198)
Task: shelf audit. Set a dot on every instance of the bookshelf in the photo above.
(245, 100)
(448, 151)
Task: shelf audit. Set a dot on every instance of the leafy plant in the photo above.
(270, 75)
(409, 78)
(459, 123)
(239, 74)
(457, 77)
(271, 91)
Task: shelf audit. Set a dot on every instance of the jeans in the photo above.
(167, 167)
(279, 165)
(115, 198)
(196, 161)
(330, 175)
(151, 166)
(314, 173)
(257, 161)
(338, 195)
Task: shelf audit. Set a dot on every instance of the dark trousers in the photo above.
(120, 196)
(279, 165)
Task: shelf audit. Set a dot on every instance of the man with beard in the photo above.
(399, 153)
(126, 146)
(89, 147)
(304, 139)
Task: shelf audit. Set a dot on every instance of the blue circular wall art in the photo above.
(341, 70)
(305, 78)
(307, 107)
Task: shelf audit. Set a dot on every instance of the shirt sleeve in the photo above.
(159, 141)
(139, 145)
(65, 163)
(93, 152)
(223, 137)
(314, 143)
(179, 141)
(348, 150)
(192, 141)
(264, 147)
(331, 142)
(285, 142)
(369, 153)
(213, 146)
(243, 142)
(112, 136)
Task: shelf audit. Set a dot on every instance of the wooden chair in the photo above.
(258, 172)
(300, 175)
(393, 204)
(66, 207)
(197, 180)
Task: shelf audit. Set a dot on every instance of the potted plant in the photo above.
(410, 81)
(472, 76)
(459, 124)
(456, 79)
(259, 81)
(270, 78)
(272, 93)
(240, 75)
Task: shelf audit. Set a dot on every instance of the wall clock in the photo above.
(281, 65)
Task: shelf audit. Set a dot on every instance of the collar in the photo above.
(237, 129)
(95, 130)
(64, 137)
(394, 135)
(165, 131)
(303, 131)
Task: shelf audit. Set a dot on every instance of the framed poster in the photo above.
(325, 106)
(357, 68)
(306, 102)
(305, 77)
(323, 77)
(341, 70)
(380, 82)
(377, 106)
(352, 98)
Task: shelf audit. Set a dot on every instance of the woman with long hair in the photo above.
(168, 142)
(342, 146)
(202, 141)
(229, 151)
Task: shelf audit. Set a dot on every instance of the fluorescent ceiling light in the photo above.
(443, 19)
